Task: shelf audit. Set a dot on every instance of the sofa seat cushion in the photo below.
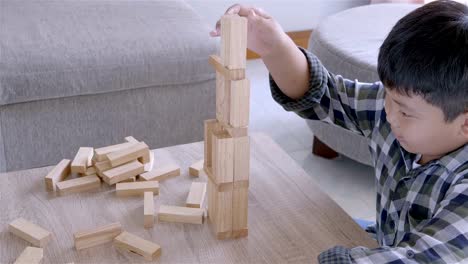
(53, 49)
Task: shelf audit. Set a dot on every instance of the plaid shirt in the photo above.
(422, 212)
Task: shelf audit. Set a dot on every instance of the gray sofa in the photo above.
(347, 43)
(89, 73)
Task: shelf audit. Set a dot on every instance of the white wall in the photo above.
(293, 15)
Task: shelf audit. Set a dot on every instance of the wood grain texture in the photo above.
(234, 74)
(239, 103)
(124, 189)
(196, 195)
(31, 255)
(290, 218)
(30, 232)
(123, 172)
(82, 160)
(59, 173)
(96, 236)
(233, 41)
(77, 185)
(161, 173)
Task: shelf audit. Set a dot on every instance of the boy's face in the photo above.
(421, 128)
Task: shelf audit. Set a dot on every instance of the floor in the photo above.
(349, 183)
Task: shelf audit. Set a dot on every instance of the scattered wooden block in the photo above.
(102, 166)
(131, 139)
(180, 214)
(148, 210)
(90, 171)
(233, 41)
(59, 173)
(137, 150)
(122, 172)
(149, 165)
(96, 236)
(100, 154)
(222, 157)
(82, 160)
(196, 195)
(132, 179)
(161, 173)
(30, 232)
(234, 74)
(31, 255)
(138, 245)
(136, 188)
(196, 168)
(80, 184)
(239, 103)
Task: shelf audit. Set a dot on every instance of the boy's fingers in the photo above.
(234, 9)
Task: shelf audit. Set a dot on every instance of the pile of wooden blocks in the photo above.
(227, 146)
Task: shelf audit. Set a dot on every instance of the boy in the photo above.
(416, 119)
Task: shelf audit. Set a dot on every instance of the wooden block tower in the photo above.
(227, 145)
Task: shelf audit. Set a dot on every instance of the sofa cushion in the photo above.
(52, 49)
(348, 42)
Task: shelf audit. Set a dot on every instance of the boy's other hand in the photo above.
(264, 34)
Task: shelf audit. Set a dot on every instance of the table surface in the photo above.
(290, 218)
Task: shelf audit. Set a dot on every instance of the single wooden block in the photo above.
(82, 160)
(138, 245)
(80, 184)
(148, 210)
(31, 255)
(137, 150)
(149, 165)
(30, 232)
(234, 74)
(222, 157)
(241, 159)
(240, 199)
(96, 236)
(132, 179)
(180, 214)
(161, 173)
(209, 126)
(236, 131)
(222, 99)
(59, 173)
(196, 168)
(102, 166)
(196, 195)
(220, 211)
(100, 154)
(233, 41)
(90, 171)
(131, 139)
(239, 103)
(122, 172)
(136, 188)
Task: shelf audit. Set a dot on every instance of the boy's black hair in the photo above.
(426, 54)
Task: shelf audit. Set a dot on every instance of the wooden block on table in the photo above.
(226, 186)
(132, 179)
(196, 195)
(180, 214)
(196, 168)
(220, 211)
(239, 103)
(229, 74)
(161, 173)
(59, 173)
(222, 157)
(102, 166)
(240, 197)
(137, 150)
(31, 255)
(136, 188)
(100, 154)
(122, 172)
(138, 245)
(30, 232)
(96, 236)
(90, 171)
(233, 41)
(82, 160)
(80, 184)
(149, 165)
(148, 210)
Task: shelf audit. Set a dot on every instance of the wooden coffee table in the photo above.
(290, 218)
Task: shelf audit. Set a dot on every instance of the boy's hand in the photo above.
(264, 34)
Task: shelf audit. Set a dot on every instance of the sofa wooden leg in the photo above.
(322, 150)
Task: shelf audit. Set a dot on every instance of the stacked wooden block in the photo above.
(227, 145)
